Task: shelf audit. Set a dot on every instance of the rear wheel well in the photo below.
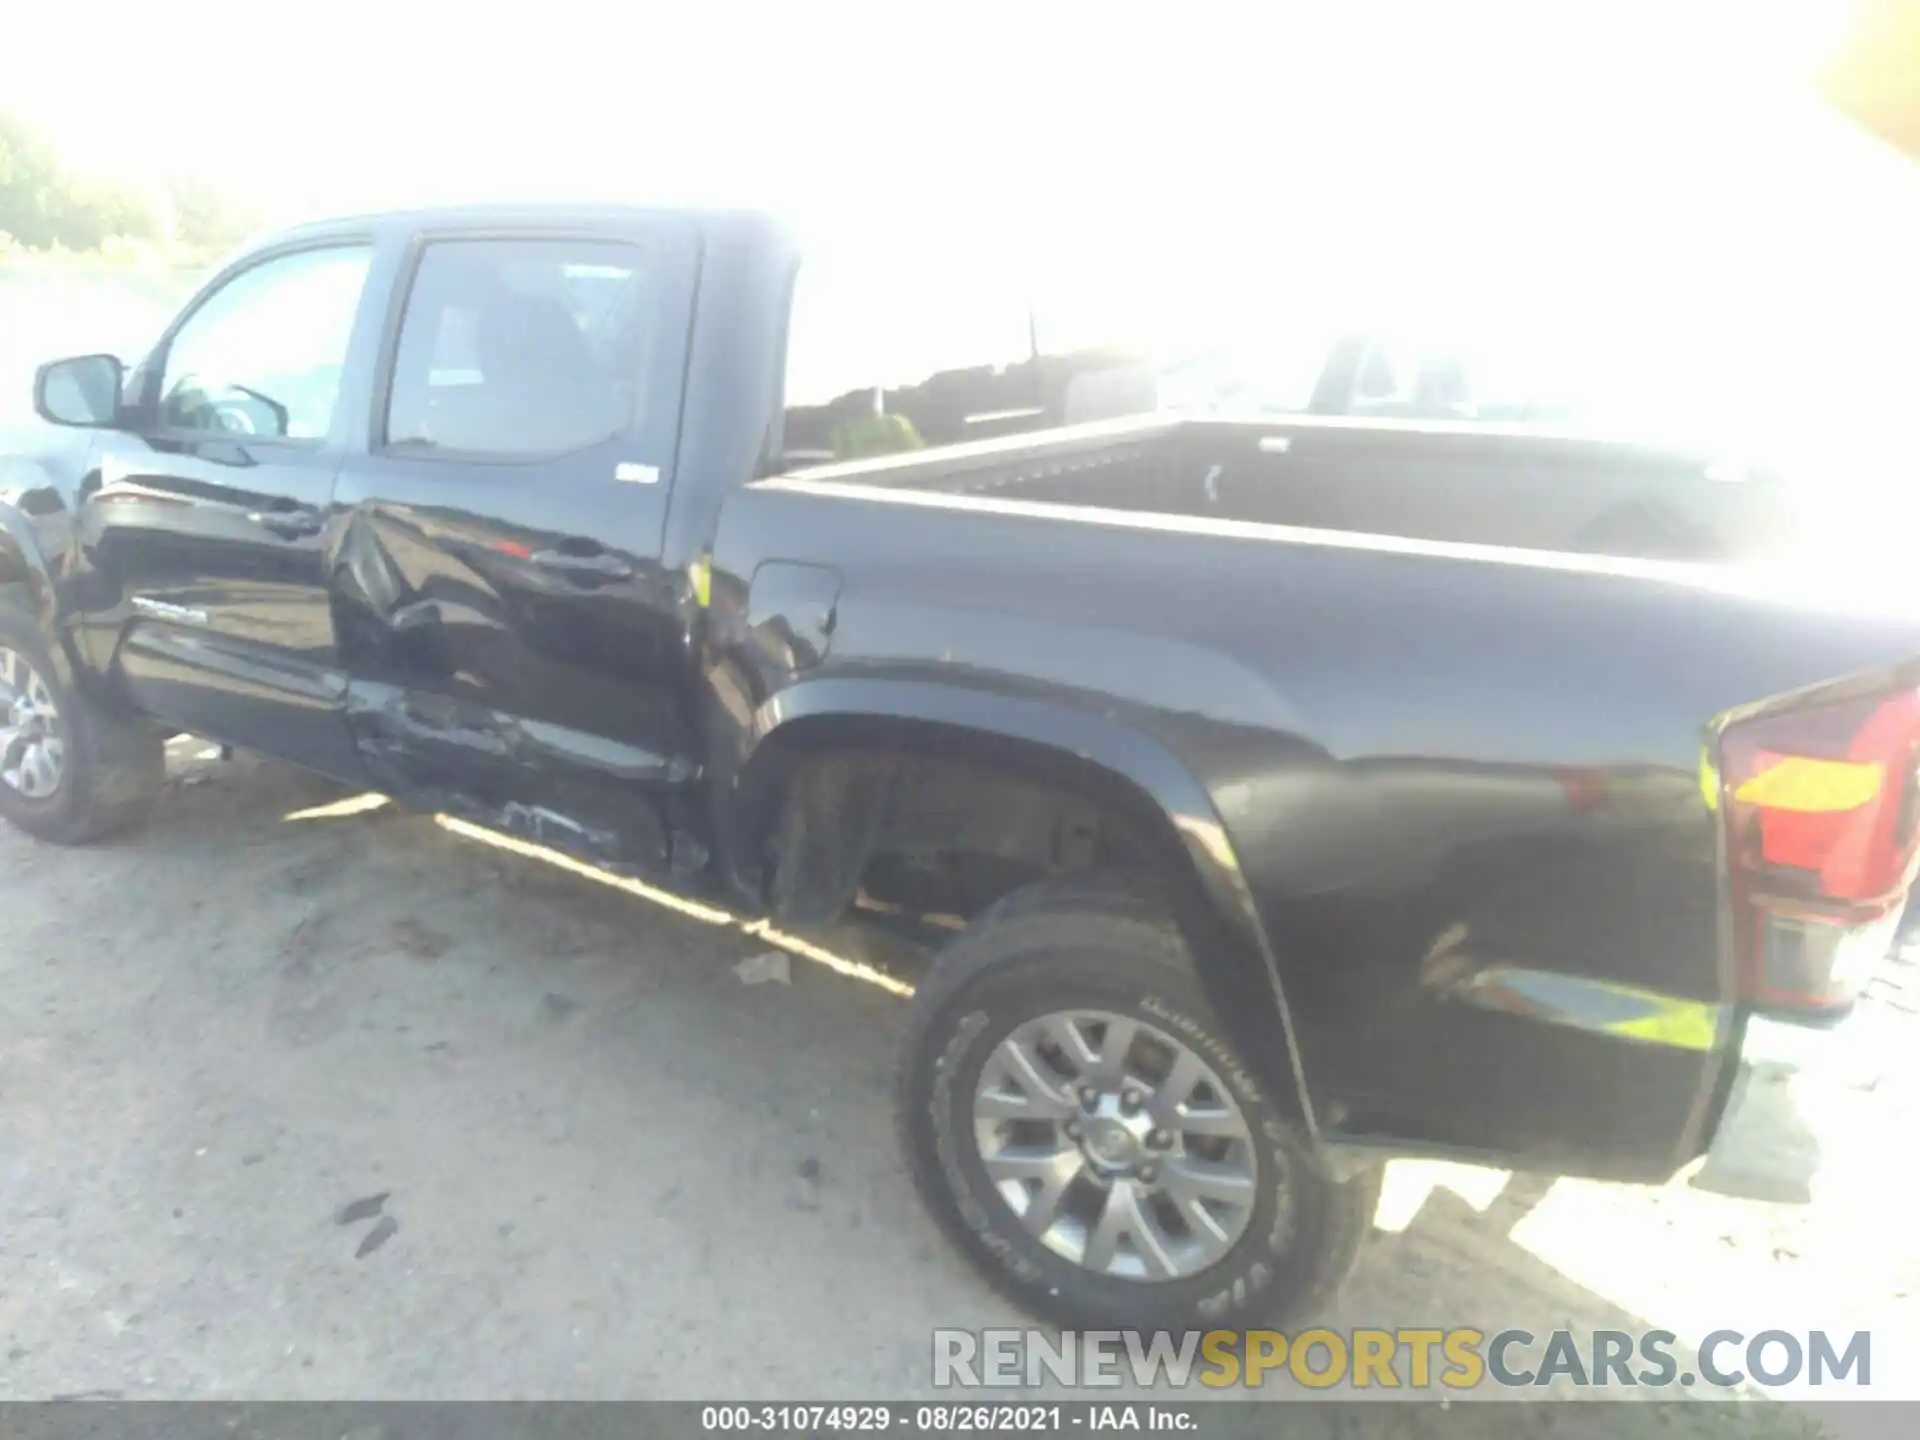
(933, 825)
(944, 831)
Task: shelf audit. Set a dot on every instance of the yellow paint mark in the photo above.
(1683, 1024)
(764, 930)
(700, 572)
(352, 805)
(1709, 780)
(1604, 1006)
(1813, 786)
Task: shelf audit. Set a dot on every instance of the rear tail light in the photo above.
(1822, 844)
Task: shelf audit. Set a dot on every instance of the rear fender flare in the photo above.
(1217, 911)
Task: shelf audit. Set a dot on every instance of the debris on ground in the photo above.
(364, 1209)
(377, 1236)
(768, 966)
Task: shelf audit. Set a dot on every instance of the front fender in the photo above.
(26, 581)
(1222, 922)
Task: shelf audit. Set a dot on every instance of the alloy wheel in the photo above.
(1116, 1145)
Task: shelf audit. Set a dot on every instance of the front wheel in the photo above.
(1078, 1122)
(69, 772)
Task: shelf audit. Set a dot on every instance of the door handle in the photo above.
(293, 523)
(600, 565)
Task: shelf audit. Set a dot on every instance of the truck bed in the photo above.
(1460, 483)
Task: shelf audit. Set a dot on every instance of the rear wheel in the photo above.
(1078, 1122)
(69, 772)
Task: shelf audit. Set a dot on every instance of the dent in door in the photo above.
(434, 610)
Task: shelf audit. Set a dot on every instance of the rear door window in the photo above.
(516, 348)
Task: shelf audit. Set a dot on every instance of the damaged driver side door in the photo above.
(513, 643)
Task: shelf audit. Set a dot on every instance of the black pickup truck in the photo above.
(1296, 806)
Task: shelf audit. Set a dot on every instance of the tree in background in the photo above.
(206, 219)
(29, 185)
(44, 205)
(85, 215)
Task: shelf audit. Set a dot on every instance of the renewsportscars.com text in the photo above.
(1404, 1357)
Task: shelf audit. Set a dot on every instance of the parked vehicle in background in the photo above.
(1307, 789)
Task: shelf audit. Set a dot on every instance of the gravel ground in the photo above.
(352, 1107)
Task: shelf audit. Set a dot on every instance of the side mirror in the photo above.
(82, 391)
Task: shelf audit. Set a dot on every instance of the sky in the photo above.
(1648, 164)
(351, 104)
